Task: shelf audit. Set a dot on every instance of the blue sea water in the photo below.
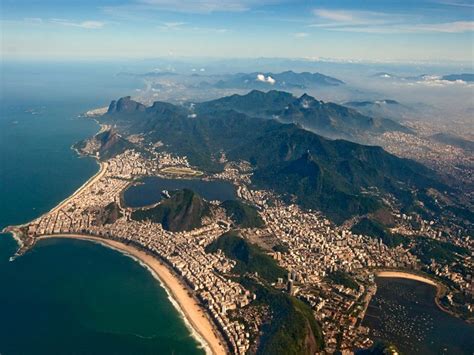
(65, 296)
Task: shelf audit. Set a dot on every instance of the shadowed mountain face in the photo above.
(183, 211)
(105, 144)
(340, 178)
(125, 105)
(242, 214)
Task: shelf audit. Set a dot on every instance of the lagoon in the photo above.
(148, 190)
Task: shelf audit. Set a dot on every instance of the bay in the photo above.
(67, 296)
(403, 312)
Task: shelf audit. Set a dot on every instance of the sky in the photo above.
(364, 30)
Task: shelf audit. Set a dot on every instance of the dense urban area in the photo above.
(330, 268)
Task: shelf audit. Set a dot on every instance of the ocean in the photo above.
(69, 296)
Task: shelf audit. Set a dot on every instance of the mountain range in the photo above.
(338, 177)
(285, 81)
(325, 118)
(385, 108)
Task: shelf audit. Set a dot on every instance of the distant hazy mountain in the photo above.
(328, 119)
(451, 139)
(463, 77)
(426, 77)
(285, 80)
(386, 108)
(371, 103)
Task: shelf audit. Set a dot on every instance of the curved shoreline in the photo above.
(406, 275)
(90, 181)
(440, 288)
(194, 316)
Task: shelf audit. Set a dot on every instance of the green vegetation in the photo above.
(282, 248)
(255, 103)
(109, 214)
(292, 329)
(374, 229)
(183, 211)
(243, 215)
(442, 252)
(317, 173)
(249, 257)
(342, 278)
(111, 144)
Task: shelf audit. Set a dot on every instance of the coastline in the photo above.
(90, 181)
(406, 275)
(192, 312)
(195, 317)
(440, 289)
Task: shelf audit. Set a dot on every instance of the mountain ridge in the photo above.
(338, 177)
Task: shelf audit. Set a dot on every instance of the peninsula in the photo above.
(274, 258)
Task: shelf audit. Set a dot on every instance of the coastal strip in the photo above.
(96, 177)
(193, 313)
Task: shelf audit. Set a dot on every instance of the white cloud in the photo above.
(456, 3)
(207, 6)
(449, 27)
(379, 22)
(437, 81)
(335, 18)
(335, 15)
(268, 79)
(91, 25)
(300, 34)
(33, 20)
(172, 26)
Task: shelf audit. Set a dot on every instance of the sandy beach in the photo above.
(440, 288)
(96, 177)
(406, 275)
(193, 312)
